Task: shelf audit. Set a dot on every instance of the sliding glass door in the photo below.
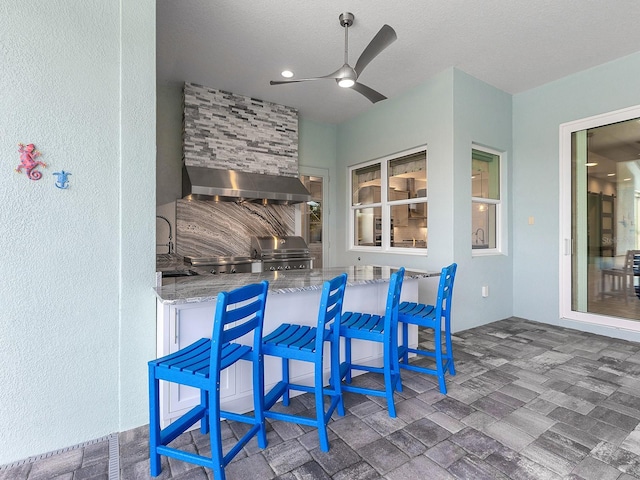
(600, 257)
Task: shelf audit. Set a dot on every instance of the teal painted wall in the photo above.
(316, 144)
(77, 267)
(482, 115)
(537, 115)
(137, 206)
(422, 116)
(169, 113)
(317, 149)
(447, 113)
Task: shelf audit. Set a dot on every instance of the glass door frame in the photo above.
(567, 246)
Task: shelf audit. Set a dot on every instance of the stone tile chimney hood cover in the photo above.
(212, 184)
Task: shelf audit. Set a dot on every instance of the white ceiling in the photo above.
(515, 45)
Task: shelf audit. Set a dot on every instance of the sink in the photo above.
(179, 273)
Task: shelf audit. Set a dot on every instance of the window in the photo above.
(389, 203)
(485, 200)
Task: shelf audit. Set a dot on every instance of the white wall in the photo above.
(77, 264)
(537, 115)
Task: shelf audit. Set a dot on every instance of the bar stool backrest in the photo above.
(393, 302)
(330, 309)
(445, 293)
(233, 308)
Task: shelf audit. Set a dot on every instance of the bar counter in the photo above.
(204, 288)
(186, 308)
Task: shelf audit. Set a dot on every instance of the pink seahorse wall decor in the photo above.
(28, 155)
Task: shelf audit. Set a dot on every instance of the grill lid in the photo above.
(279, 247)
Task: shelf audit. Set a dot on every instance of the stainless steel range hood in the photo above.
(212, 184)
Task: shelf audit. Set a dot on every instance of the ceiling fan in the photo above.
(347, 76)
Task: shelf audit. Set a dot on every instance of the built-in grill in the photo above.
(281, 252)
(221, 264)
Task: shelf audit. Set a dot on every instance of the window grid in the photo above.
(486, 203)
(389, 203)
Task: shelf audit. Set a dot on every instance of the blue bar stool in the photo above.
(431, 316)
(199, 365)
(376, 328)
(300, 342)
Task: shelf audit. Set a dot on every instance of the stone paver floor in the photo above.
(529, 401)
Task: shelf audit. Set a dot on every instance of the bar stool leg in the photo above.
(258, 399)
(154, 423)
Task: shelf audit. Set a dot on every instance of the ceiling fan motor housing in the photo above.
(346, 19)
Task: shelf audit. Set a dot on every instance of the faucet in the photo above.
(479, 236)
(170, 244)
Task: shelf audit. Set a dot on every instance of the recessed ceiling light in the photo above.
(287, 74)
(627, 179)
(611, 174)
(591, 164)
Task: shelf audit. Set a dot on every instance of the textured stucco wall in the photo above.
(137, 209)
(61, 272)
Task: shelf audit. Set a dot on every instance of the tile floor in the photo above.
(530, 401)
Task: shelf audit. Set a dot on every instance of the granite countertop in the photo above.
(206, 287)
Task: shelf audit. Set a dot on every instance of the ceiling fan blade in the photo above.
(336, 74)
(370, 93)
(280, 82)
(385, 37)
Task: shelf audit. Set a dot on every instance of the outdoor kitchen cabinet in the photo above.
(179, 326)
(182, 325)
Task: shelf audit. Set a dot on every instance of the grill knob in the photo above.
(272, 268)
(288, 267)
(233, 270)
(279, 267)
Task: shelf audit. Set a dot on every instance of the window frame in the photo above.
(499, 203)
(385, 205)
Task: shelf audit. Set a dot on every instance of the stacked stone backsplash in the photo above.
(233, 132)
